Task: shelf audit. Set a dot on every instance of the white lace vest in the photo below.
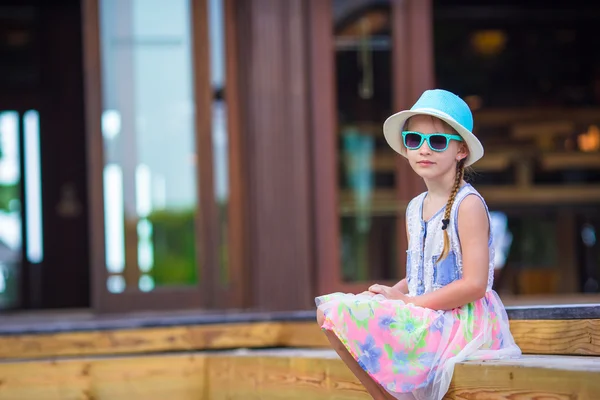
(426, 244)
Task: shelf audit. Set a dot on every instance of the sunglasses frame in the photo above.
(427, 136)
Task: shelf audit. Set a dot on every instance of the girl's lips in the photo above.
(425, 162)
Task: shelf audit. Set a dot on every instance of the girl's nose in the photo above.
(425, 150)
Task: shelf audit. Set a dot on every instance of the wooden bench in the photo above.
(210, 356)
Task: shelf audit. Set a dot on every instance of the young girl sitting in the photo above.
(402, 342)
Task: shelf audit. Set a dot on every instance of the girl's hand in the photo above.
(389, 292)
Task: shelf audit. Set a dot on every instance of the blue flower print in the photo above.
(426, 359)
(386, 321)
(437, 326)
(369, 360)
(407, 387)
(409, 327)
(400, 362)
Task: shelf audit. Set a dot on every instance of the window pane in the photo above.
(10, 209)
(366, 164)
(150, 178)
(219, 131)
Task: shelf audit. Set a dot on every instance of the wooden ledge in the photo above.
(571, 337)
(68, 322)
(290, 374)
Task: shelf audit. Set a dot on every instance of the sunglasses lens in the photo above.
(438, 142)
(412, 140)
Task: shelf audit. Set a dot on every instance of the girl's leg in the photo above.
(374, 389)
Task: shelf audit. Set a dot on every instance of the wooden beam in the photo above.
(129, 341)
(290, 374)
(503, 117)
(176, 377)
(503, 195)
(264, 377)
(540, 195)
(534, 377)
(571, 337)
(573, 160)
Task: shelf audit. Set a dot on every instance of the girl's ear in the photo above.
(463, 152)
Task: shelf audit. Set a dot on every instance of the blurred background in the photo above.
(228, 154)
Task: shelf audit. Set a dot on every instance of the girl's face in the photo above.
(430, 164)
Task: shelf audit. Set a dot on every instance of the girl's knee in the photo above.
(320, 317)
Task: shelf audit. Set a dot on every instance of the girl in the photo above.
(402, 342)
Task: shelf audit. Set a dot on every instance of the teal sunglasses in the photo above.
(435, 141)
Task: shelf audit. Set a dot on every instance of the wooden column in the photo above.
(62, 278)
(274, 122)
(324, 147)
(413, 67)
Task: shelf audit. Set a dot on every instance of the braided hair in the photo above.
(460, 172)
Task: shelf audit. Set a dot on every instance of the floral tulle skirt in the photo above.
(411, 351)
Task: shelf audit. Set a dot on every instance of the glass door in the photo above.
(21, 236)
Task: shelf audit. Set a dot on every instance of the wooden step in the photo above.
(564, 330)
(566, 337)
(276, 375)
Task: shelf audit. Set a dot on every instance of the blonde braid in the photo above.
(460, 172)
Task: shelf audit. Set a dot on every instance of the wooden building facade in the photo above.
(217, 155)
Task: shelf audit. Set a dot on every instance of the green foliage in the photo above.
(8, 193)
(174, 240)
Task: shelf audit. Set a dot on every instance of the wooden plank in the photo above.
(267, 377)
(218, 336)
(540, 195)
(279, 375)
(381, 204)
(176, 377)
(503, 117)
(556, 378)
(494, 162)
(537, 129)
(572, 160)
(581, 337)
(568, 337)
(572, 337)
(502, 195)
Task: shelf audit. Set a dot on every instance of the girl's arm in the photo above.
(473, 230)
(402, 286)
